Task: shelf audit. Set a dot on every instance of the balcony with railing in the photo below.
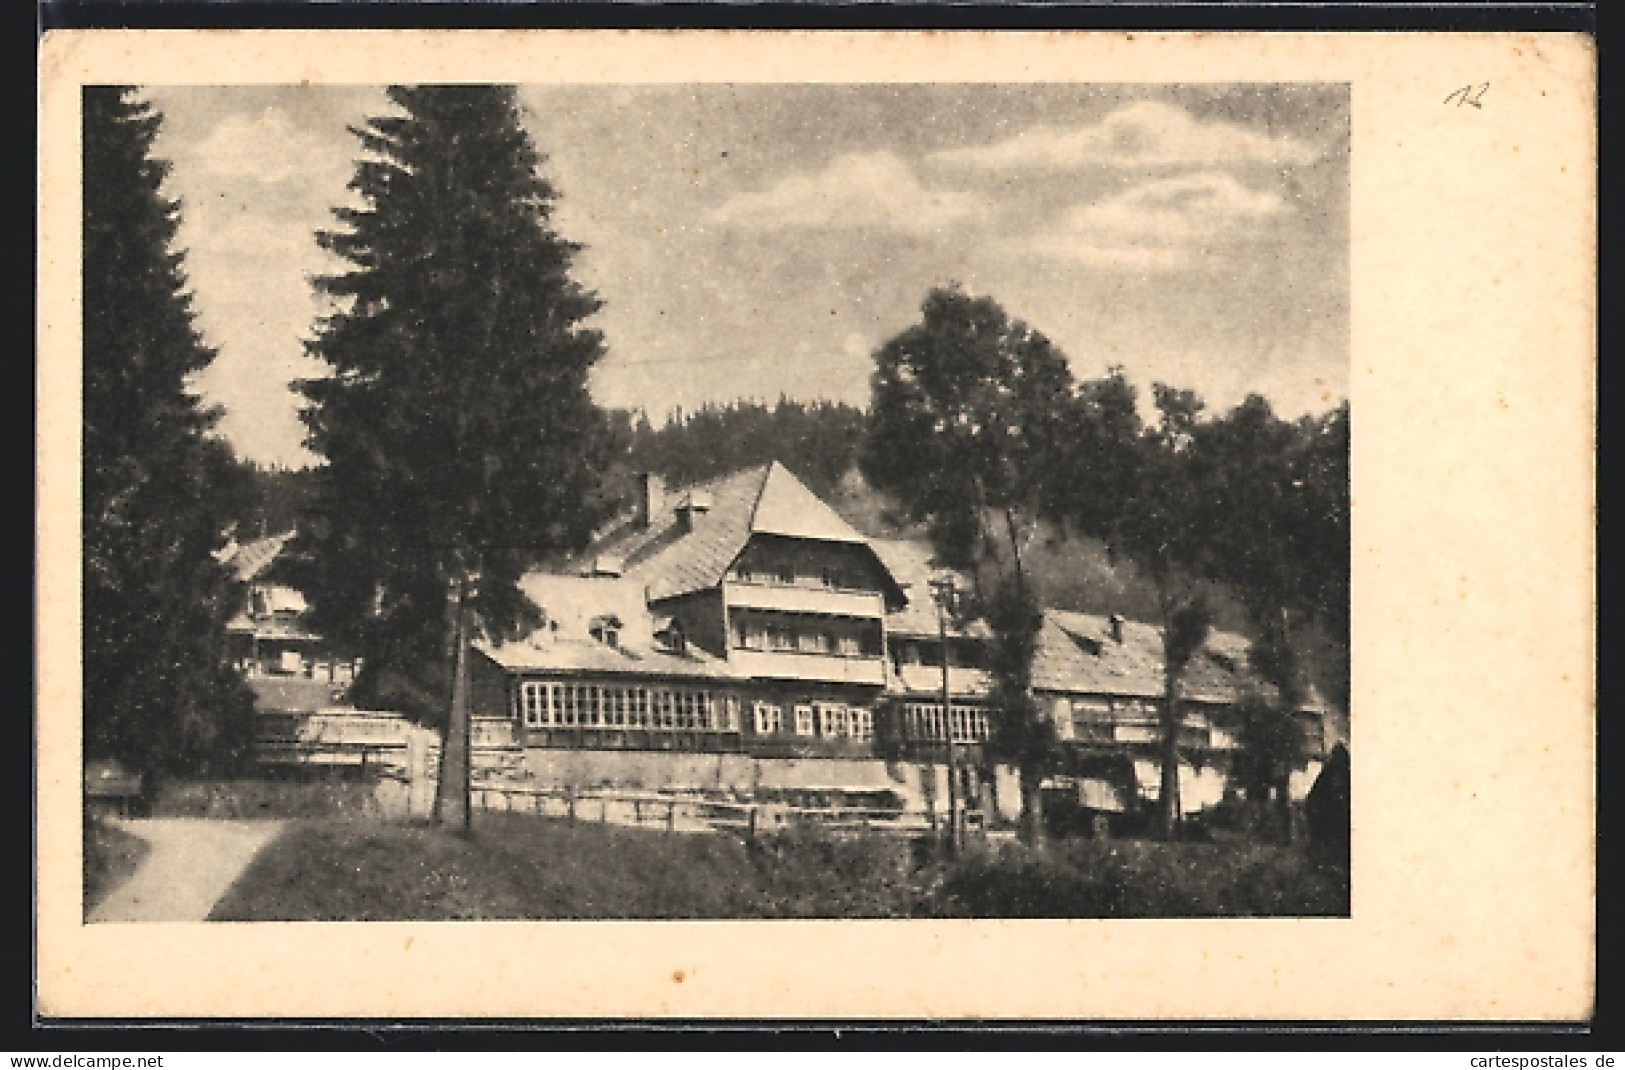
(804, 598)
(817, 667)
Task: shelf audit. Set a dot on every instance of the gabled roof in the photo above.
(786, 507)
(247, 560)
(670, 559)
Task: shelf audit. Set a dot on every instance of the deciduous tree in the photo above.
(970, 413)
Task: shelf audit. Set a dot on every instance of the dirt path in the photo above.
(192, 863)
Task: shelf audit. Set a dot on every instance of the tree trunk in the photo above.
(1032, 807)
(1284, 803)
(1168, 794)
(451, 803)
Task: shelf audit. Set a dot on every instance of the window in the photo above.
(730, 714)
(705, 715)
(804, 720)
(606, 629)
(666, 714)
(926, 721)
(567, 706)
(831, 720)
(533, 701)
(830, 576)
(780, 638)
(849, 647)
(639, 717)
(685, 709)
(861, 722)
(813, 643)
(752, 637)
(769, 719)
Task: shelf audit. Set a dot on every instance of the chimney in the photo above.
(1117, 628)
(651, 491)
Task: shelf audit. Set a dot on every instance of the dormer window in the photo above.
(1087, 645)
(606, 629)
(694, 503)
(671, 637)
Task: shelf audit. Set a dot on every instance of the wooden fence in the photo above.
(688, 814)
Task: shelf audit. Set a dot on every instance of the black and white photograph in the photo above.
(716, 501)
(697, 499)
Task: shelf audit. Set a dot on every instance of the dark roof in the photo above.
(669, 559)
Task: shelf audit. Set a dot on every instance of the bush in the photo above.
(1099, 879)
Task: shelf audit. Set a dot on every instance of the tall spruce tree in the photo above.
(158, 693)
(460, 437)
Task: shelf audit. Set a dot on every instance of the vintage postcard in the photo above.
(839, 525)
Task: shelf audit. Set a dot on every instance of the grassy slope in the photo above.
(111, 857)
(519, 866)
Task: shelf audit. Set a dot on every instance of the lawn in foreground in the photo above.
(521, 866)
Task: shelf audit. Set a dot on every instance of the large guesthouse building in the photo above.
(739, 637)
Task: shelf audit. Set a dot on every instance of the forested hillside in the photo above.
(818, 442)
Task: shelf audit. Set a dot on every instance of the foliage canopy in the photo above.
(458, 430)
(158, 693)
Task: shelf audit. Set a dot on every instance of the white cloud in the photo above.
(1159, 226)
(868, 190)
(1148, 133)
(265, 148)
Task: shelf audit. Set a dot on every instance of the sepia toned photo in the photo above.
(925, 500)
(642, 502)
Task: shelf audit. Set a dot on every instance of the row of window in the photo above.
(781, 638)
(924, 720)
(829, 720)
(550, 705)
(544, 705)
(785, 574)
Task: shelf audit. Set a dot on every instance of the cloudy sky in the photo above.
(753, 241)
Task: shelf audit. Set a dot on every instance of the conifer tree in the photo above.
(459, 435)
(158, 694)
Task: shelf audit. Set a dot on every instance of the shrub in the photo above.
(1118, 879)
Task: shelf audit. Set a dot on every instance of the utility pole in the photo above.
(943, 590)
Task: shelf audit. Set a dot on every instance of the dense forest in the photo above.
(818, 442)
